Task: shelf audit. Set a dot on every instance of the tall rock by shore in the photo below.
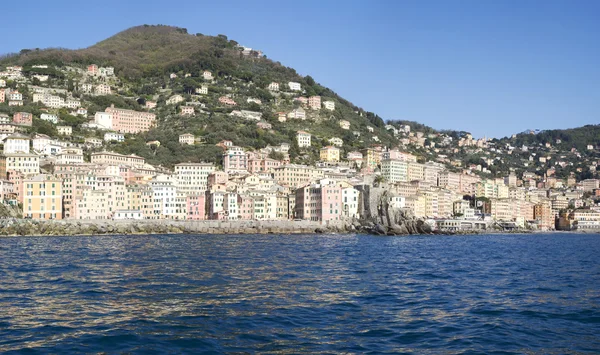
(379, 217)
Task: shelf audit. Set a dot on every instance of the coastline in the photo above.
(26, 227)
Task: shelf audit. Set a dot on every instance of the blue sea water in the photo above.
(198, 294)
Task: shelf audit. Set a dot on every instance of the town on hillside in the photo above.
(69, 137)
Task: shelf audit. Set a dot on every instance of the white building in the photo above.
(202, 90)
(127, 214)
(350, 202)
(70, 156)
(298, 113)
(303, 139)
(207, 75)
(175, 99)
(192, 178)
(52, 149)
(329, 105)
(187, 138)
(338, 142)
(49, 117)
(295, 86)
(273, 86)
(16, 143)
(344, 124)
(102, 89)
(114, 137)
(103, 119)
(40, 141)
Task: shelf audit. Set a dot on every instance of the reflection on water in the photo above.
(534, 294)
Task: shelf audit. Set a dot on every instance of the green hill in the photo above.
(145, 56)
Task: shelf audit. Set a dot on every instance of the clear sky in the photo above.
(489, 67)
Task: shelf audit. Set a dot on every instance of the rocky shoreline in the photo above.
(27, 227)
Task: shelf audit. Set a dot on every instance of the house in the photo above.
(2, 83)
(345, 124)
(186, 138)
(172, 76)
(338, 142)
(256, 101)
(235, 160)
(92, 69)
(25, 163)
(44, 197)
(102, 89)
(224, 144)
(248, 115)
(86, 88)
(16, 143)
(15, 96)
(187, 110)
(150, 104)
(330, 154)
(294, 86)
(93, 142)
(370, 129)
(49, 117)
(227, 101)
(64, 130)
(203, 90)
(207, 75)
(281, 116)
(314, 102)
(175, 99)
(273, 86)
(23, 118)
(114, 137)
(298, 113)
(303, 139)
(329, 105)
(2, 95)
(264, 125)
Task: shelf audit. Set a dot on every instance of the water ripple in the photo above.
(346, 294)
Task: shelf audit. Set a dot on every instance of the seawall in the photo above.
(25, 227)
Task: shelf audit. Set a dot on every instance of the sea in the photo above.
(301, 294)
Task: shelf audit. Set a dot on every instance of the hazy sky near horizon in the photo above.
(489, 67)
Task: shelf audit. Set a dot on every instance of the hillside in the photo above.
(157, 64)
(144, 57)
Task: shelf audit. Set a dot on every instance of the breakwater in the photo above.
(26, 227)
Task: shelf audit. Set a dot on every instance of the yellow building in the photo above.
(26, 163)
(42, 197)
(330, 154)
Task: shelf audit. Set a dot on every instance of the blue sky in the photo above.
(489, 67)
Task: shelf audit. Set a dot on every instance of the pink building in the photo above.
(187, 110)
(2, 95)
(256, 165)
(16, 178)
(196, 207)
(23, 118)
(314, 102)
(130, 121)
(92, 69)
(302, 100)
(245, 207)
(227, 101)
(321, 202)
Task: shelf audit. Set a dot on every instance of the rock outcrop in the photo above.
(380, 218)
